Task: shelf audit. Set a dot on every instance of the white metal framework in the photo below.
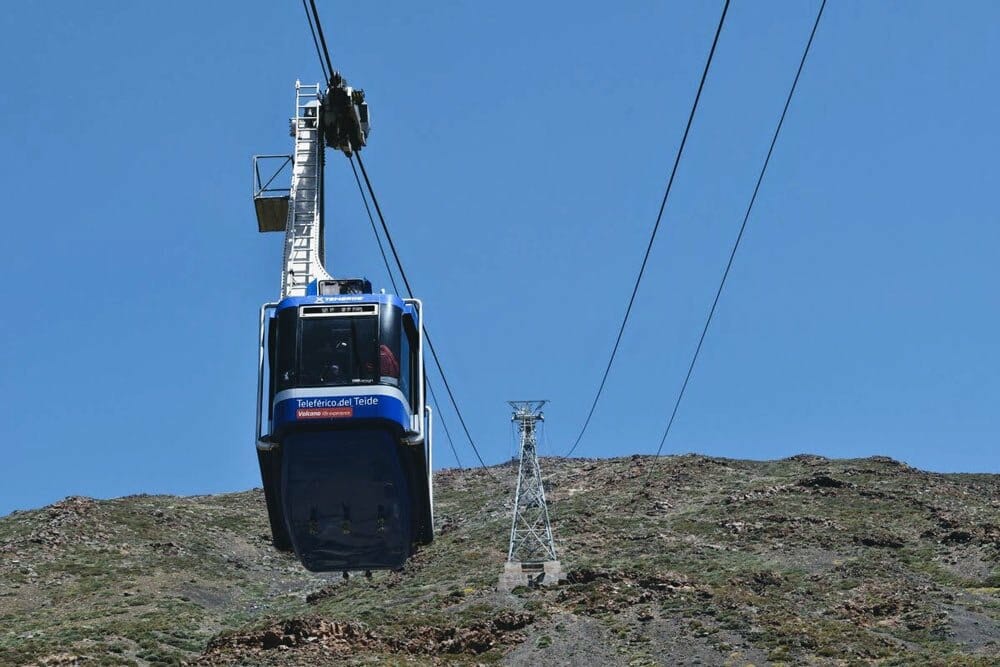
(530, 532)
(304, 232)
(337, 118)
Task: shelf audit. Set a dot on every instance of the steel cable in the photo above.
(312, 31)
(409, 290)
(652, 237)
(736, 244)
(328, 71)
(395, 288)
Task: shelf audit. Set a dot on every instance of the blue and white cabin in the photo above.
(344, 430)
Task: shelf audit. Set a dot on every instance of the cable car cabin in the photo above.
(346, 454)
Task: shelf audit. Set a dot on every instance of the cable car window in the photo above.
(388, 351)
(338, 351)
(285, 374)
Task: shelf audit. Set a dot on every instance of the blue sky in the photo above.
(519, 151)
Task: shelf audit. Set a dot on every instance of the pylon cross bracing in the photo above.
(530, 533)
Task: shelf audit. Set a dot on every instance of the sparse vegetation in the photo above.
(718, 561)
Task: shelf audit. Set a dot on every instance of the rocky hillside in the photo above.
(716, 561)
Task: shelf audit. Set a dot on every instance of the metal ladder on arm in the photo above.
(303, 236)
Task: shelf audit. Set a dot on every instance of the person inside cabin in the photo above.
(388, 366)
(332, 360)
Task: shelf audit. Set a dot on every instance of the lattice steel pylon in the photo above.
(531, 540)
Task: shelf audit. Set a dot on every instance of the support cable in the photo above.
(409, 290)
(395, 289)
(378, 238)
(652, 237)
(312, 30)
(444, 424)
(329, 68)
(322, 39)
(739, 237)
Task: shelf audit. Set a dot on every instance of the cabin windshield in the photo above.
(338, 351)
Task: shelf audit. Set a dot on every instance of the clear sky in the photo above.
(520, 150)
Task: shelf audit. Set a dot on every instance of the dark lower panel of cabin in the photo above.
(347, 499)
(270, 475)
(415, 464)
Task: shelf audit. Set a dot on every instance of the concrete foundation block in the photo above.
(547, 573)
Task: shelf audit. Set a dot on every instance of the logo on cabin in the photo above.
(324, 413)
(323, 408)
